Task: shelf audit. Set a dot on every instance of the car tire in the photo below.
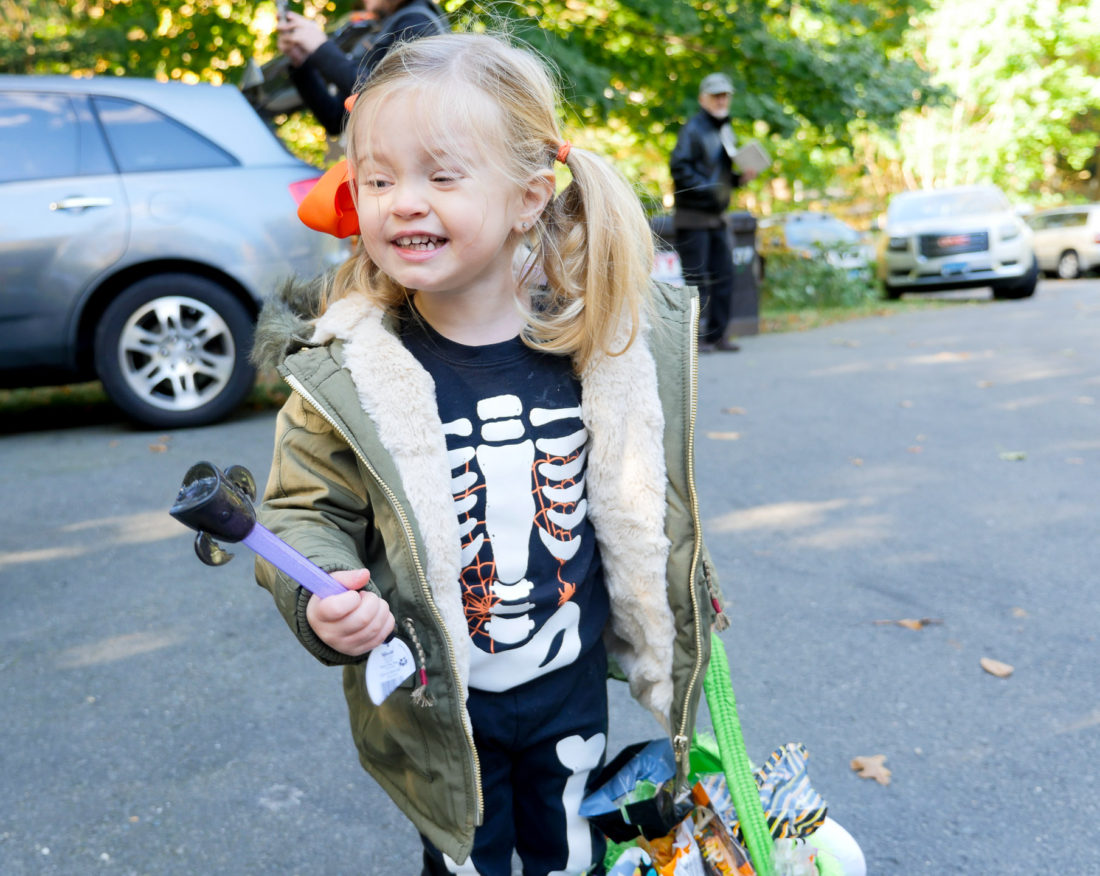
(1069, 265)
(1024, 287)
(172, 351)
(891, 293)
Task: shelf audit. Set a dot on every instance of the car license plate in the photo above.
(953, 268)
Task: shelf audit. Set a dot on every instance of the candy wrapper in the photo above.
(677, 854)
(630, 798)
(699, 846)
(792, 807)
(633, 861)
(722, 855)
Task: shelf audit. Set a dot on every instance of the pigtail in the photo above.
(597, 254)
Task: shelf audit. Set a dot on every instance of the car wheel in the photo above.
(891, 293)
(172, 351)
(1024, 287)
(1069, 265)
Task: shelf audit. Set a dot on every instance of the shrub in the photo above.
(794, 282)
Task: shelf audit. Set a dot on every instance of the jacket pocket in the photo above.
(390, 736)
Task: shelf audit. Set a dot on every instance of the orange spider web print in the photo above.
(567, 589)
(478, 576)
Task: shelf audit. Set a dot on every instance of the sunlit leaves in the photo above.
(1025, 83)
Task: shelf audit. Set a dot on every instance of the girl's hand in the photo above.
(352, 623)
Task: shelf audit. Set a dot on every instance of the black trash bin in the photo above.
(745, 304)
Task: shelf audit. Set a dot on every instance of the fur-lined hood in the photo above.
(285, 324)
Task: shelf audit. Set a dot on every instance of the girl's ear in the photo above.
(535, 197)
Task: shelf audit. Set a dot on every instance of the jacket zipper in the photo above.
(297, 386)
(681, 743)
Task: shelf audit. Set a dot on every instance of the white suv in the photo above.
(1067, 240)
(957, 238)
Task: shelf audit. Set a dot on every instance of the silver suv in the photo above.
(142, 223)
(956, 238)
(1067, 240)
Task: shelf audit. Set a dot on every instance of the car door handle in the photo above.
(80, 203)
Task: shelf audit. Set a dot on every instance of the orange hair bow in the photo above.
(328, 207)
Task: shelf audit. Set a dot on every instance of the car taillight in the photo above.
(299, 190)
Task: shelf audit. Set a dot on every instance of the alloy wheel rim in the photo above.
(176, 353)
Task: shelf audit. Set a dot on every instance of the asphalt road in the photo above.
(944, 465)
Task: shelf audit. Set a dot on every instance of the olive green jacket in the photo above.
(360, 477)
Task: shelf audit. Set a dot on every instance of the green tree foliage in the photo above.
(199, 39)
(1024, 77)
(810, 75)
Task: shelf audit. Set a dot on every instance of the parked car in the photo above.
(956, 238)
(143, 222)
(812, 234)
(1067, 240)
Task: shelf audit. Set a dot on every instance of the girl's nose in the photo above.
(409, 200)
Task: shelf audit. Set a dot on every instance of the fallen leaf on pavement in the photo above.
(161, 445)
(857, 461)
(1019, 612)
(917, 623)
(916, 448)
(906, 404)
(723, 436)
(996, 667)
(872, 766)
(911, 623)
(984, 384)
(734, 410)
(1013, 455)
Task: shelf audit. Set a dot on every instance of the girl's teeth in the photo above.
(418, 241)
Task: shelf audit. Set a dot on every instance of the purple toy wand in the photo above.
(219, 505)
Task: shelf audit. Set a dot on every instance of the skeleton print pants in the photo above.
(540, 745)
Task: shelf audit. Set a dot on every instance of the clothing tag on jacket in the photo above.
(387, 666)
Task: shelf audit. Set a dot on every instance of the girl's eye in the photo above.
(445, 176)
(375, 183)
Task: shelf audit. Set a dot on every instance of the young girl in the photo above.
(489, 443)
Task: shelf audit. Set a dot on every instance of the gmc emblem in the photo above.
(950, 240)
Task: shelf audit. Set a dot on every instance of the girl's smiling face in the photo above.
(437, 215)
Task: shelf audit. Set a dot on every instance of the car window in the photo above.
(39, 136)
(937, 204)
(143, 139)
(823, 231)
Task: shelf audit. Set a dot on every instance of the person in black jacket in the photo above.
(316, 61)
(704, 178)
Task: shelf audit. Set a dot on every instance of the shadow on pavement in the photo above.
(57, 412)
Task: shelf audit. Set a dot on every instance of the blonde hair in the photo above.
(592, 242)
